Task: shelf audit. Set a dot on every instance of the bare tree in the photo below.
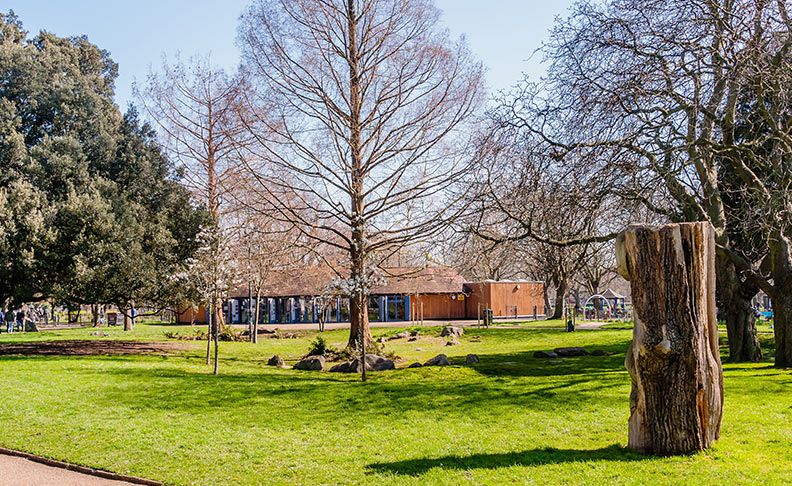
(656, 86)
(197, 109)
(365, 104)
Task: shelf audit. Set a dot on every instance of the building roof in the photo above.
(311, 281)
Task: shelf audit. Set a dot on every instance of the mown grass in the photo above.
(512, 419)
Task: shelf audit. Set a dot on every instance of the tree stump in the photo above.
(674, 361)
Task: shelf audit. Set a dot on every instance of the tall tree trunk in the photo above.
(676, 402)
(561, 289)
(782, 330)
(359, 332)
(95, 315)
(734, 303)
(781, 297)
(546, 297)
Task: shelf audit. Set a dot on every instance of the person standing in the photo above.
(2, 316)
(9, 319)
(20, 319)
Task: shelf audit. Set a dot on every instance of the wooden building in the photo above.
(431, 293)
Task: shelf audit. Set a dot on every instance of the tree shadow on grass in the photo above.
(533, 457)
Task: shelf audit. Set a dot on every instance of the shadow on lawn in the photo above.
(533, 457)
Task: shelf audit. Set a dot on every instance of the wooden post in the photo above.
(674, 361)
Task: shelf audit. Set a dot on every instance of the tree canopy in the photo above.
(90, 209)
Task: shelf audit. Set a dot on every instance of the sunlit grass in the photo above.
(512, 419)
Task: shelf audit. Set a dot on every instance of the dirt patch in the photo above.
(88, 348)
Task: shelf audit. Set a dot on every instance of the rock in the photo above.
(412, 339)
(545, 354)
(472, 359)
(415, 365)
(568, 352)
(373, 363)
(598, 352)
(419, 349)
(314, 363)
(401, 335)
(439, 360)
(414, 332)
(452, 331)
(452, 342)
(97, 333)
(345, 367)
(276, 361)
(381, 340)
(30, 326)
(377, 363)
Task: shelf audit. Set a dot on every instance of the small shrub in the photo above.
(229, 334)
(320, 347)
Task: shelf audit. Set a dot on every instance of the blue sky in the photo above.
(502, 33)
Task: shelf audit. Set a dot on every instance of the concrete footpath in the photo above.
(19, 471)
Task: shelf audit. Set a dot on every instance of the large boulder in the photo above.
(452, 331)
(569, 352)
(313, 363)
(276, 361)
(345, 367)
(598, 352)
(472, 359)
(30, 326)
(373, 363)
(452, 342)
(415, 365)
(439, 360)
(545, 354)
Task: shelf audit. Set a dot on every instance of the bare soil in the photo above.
(87, 347)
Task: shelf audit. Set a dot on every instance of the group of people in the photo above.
(14, 320)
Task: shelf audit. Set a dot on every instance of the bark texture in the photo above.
(781, 254)
(734, 304)
(677, 381)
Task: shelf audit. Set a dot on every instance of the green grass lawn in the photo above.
(542, 323)
(512, 419)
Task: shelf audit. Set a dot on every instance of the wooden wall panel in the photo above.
(189, 315)
(439, 306)
(502, 297)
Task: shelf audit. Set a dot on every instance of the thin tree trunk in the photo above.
(95, 315)
(258, 316)
(734, 303)
(216, 346)
(209, 331)
(676, 402)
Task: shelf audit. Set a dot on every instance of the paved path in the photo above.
(18, 471)
(499, 323)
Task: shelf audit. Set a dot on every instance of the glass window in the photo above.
(343, 310)
(373, 308)
(396, 308)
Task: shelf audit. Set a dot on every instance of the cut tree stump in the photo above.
(676, 401)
